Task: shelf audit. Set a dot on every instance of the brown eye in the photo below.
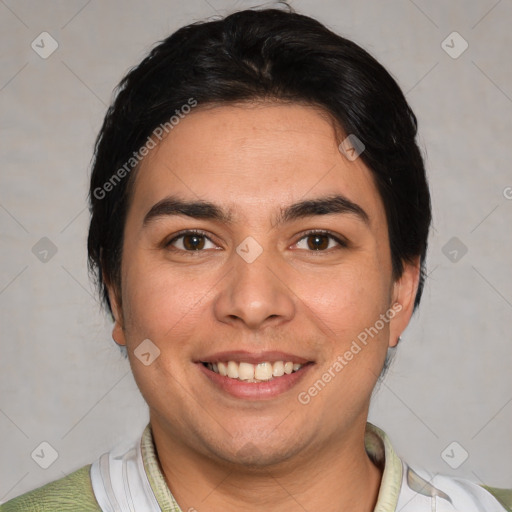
(190, 242)
(193, 242)
(319, 241)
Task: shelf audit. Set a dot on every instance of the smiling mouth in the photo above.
(248, 372)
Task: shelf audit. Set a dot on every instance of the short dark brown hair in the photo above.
(254, 55)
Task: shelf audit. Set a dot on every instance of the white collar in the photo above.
(129, 479)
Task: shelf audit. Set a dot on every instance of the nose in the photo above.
(255, 294)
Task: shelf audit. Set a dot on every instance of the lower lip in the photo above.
(256, 390)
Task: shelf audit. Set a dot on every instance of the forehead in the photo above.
(253, 155)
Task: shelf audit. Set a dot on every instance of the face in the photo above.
(254, 247)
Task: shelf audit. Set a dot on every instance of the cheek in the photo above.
(350, 302)
(164, 308)
(159, 303)
(348, 297)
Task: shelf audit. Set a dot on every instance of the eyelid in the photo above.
(342, 241)
(185, 232)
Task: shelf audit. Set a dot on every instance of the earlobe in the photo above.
(118, 334)
(404, 294)
(115, 305)
(117, 330)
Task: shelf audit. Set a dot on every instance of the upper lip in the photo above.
(253, 357)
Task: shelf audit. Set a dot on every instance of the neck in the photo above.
(339, 477)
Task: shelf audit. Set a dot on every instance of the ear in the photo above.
(117, 312)
(404, 294)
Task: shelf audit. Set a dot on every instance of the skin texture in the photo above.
(219, 452)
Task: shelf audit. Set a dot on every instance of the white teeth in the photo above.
(263, 371)
(248, 372)
(233, 370)
(223, 370)
(278, 369)
(245, 371)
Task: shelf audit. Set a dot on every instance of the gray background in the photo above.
(65, 382)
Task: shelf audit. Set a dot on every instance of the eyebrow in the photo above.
(334, 204)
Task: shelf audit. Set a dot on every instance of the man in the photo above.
(260, 215)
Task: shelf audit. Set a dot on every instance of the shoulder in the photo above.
(467, 493)
(420, 487)
(504, 496)
(71, 493)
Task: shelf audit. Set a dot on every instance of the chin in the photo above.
(257, 453)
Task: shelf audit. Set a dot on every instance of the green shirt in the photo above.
(402, 488)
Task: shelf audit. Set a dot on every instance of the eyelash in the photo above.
(339, 240)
